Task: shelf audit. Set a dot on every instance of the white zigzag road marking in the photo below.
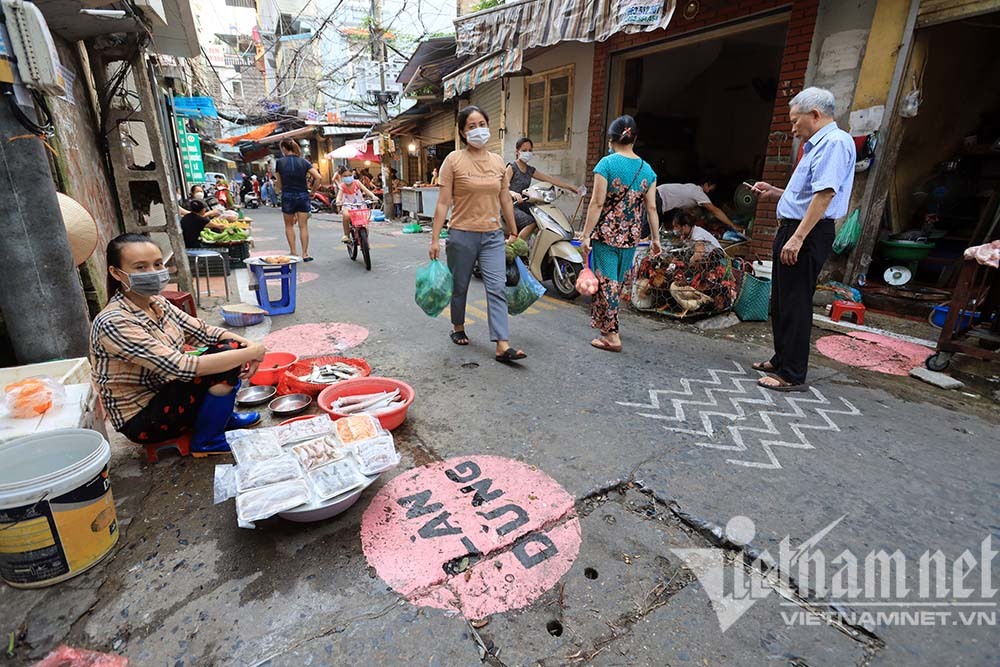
(739, 396)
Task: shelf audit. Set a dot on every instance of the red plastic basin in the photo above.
(370, 385)
(274, 364)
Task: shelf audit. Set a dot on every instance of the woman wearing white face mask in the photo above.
(521, 173)
(151, 390)
(474, 180)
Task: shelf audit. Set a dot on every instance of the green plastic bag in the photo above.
(753, 303)
(526, 292)
(434, 288)
(849, 233)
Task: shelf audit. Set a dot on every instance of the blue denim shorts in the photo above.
(295, 202)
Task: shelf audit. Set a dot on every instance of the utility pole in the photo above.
(43, 305)
(378, 45)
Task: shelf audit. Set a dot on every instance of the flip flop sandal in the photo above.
(307, 259)
(459, 338)
(784, 385)
(510, 355)
(605, 345)
(763, 366)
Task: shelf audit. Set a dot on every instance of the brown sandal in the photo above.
(783, 384)
(602, 344)
(763, 366)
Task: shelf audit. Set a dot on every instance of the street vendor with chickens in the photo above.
(151, 387)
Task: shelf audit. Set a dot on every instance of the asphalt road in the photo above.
(634, 465)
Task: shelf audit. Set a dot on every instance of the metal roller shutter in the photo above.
(439, 128)
(486, 96)
(933, 12)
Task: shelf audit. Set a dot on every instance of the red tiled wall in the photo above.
(801, 25)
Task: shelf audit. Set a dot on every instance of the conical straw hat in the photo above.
(81, 229)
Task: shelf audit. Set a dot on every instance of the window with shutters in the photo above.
(548, 107)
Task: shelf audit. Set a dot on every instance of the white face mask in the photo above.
(526, 156)
(478, 137)
(199, 195)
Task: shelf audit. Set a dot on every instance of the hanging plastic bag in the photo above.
(849, 233)
(528, 290)
(434, 288)
(32, 397)
(586, 282)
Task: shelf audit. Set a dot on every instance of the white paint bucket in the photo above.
(57, 515)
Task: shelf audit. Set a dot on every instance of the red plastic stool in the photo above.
(839, 308)
(182, 300)
(181, 444)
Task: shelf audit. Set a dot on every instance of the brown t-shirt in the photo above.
(476, 183)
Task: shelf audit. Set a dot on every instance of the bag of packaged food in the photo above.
(335, 479)
(249, 446)
(267, 501)
(317, 452)
(32, 397)
(262, 473)
(305, 429)
(356, 428)
(376, 455)
(225, 483)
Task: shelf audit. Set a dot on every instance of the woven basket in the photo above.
(289, 383)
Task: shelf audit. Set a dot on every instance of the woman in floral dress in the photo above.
(624, 184)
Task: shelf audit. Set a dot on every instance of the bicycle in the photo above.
(360, 217)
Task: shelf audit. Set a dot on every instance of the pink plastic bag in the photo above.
(65, 656)
(586, 283)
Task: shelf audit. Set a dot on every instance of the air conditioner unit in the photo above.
(37, 58)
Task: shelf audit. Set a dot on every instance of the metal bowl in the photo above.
(255, 395)
(292, 404)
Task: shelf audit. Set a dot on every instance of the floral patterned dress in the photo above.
(617, 233)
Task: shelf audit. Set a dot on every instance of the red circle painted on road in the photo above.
(478, 535)
(317, 339)
(873, 352)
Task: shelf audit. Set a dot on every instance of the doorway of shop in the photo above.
(703, 105)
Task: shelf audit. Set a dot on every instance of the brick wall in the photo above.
(801, 25)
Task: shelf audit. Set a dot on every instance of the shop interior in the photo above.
(705, 108)
(943, 195)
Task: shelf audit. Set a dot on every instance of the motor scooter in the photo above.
(251, 200)
(552, 255)
(322, 202)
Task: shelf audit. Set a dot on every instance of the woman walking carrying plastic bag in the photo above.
(473, 179)
(623, 184)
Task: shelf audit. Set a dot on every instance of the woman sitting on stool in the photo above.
(152, 391)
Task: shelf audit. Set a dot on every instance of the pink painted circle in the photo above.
(478, 535)
(873, 352)
(305, 277)
(267, 253)
(317, 339)
(263, 239)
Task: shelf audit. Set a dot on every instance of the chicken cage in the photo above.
(686, 281)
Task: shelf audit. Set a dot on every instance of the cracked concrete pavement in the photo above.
(915, 470)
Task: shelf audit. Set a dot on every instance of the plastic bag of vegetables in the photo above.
(434, 288)
(527, 291)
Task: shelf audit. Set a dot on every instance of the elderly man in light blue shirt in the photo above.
(817, 193)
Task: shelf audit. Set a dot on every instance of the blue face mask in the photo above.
(348, 180)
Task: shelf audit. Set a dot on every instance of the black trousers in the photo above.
(173, 409)
(792, 295)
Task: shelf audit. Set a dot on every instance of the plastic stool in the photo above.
(839, 308)
(181, 444)
(199, 254)
(286, 274)
(182, 300)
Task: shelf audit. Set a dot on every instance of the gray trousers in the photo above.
(463, 249)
